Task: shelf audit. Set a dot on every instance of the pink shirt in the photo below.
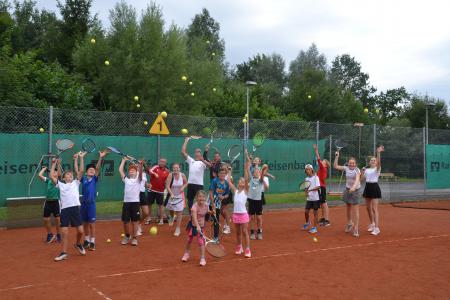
(200, 213)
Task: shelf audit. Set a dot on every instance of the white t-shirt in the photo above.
(196, 171)
(372, 175)
(143, 182)
(69, 193)
(239, 201)
(266, 180)
(132, 189)
(350, 175)
(314, 181)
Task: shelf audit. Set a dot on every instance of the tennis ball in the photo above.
(145, 123)
(191, 83)
(184, 131)
(153, 230)
(246, 116)
(309, 97)
(207, 42)
(41, 129)
(214, 89)
(122, 235)
(213, 54)
(106, 62)
(192, 94)
(244, 120)
(366, 110)
(315, 240)
(164, 114)
(136, 98)
(377, 110)
(108, 240)
(138, 105)
(184, 78)
(92, 41)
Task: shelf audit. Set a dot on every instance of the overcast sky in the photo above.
(399, 43)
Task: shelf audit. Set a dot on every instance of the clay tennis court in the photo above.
(408, 260)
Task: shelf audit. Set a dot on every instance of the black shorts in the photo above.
(143, 199)
(255, 207)
(130, 212)
(153, 197)
(263, 199)
(51, 208)
(312, 204)
(372, 191)
(323, 195)
(192, 190)
(70, 216)
(227, 201)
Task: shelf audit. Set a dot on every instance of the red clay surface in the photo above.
(409, 260)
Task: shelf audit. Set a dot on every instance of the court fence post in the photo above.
(50, 129)
(317, 132)
(424, 138)
(374, 140)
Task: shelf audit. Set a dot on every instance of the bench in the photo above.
(388, 176)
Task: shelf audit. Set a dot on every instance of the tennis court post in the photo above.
(50, 129)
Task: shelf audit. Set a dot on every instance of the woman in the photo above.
(352, 194)
(175, 184)
(372, 191)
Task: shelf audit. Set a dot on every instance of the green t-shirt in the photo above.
(52, 191)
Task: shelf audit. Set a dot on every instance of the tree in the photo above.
(390, 104)
(306, 60)
(437, 112)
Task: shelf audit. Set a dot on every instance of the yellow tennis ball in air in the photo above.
(246, 116)
(138, 105)
(192, 94)
(315, 240)
(184, 131)
(41, 129)
(153, 230)
(145, 123)
(163, 114)
(108, 240)
(106, 62)
(214, 89)
(366, 110)
(122, 235)
(136, 98)
(184, 78)
(309, 96)
(191, 83)
(92, 41)
(207, 42)
(213, 54)
(377, 110)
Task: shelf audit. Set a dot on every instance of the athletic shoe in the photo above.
(185, 257)
(259, 236)
(170, 221)
(226, 229)
(313, 230)
(322, 222)
(86, 244)
(248, 254)
(355, 233)
(238, 250)
(61, 256)
(134, 242)
(348, 227)
(177, 232)
(50, 238)
(376, 231)
(58, 238)
(326, 223)
(80, 249)
(161, 222)
(125, 240)
(371, 227)
(92, 246)
(202, 262)
(252, 236)
(148, 221)
(305, 226)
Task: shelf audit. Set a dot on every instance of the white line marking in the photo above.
(129, 273)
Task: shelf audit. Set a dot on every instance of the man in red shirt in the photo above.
(322, 173)
(158, 176)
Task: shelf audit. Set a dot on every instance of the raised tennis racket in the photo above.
(195, 137)
(88, 145)
(63, 145)
(234, 152)
(258, 140)
(303, 186)
(215, 136)
(339, 144)
(117, 151)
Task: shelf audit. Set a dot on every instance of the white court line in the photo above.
(97, 291)
(240, 259)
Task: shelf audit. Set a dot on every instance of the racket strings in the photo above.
(64, 144)
(88, 145)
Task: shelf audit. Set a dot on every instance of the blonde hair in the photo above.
(202, 192)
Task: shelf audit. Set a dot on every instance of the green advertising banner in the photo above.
(21, 153)
(438, 166)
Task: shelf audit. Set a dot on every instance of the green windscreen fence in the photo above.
(21, 153)
(438, 166)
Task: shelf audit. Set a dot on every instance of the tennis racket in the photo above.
(234, 152)
(214, 248)
(339, 144)
(63, 145)
(88, 145)
(117, 151)
(195, 137)
(258, 140)
(303, 186)
(215, 137)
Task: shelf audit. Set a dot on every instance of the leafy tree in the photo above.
(390, 104)
(437, 112)
(310, 59)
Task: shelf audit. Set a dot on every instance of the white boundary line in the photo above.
(238, 259)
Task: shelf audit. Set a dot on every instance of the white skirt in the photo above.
(176, 204)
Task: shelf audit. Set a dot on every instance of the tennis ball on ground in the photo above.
(41, 129)
(138, 105)
(106, 62)
(92, 41)
(309, 97)
(153, 230)
(184, 131)
(145, 123)
(108, 240)
(136, 98)
(192, 94)
(315, 240)
(164, 114)
(366, 110)
(244, 120)
(184, 78)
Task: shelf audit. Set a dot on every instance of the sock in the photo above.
(87, 238)
(127, 235)
(92, 240)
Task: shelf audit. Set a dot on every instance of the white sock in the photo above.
(87, 238)
(92, 239)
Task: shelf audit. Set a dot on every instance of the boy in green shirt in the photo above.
(51, 206)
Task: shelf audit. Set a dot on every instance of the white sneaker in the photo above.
(139, 231)
(161, 222)
(62, 256)
(125, 240)
(371, 227)
(376, 231)
(177, 232)
(355, 233)
(134, 242)
(202, 262)
(226, 229)
(348, 227)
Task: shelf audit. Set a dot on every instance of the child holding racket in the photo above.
(88, 207)
(175, 184)
(195, 227)
(51, 205)
(240, 216)
(70, 206)
(131, 201)
(372, 191)
(322, 173)
(352, 194)
(219, 193)
(312, 186)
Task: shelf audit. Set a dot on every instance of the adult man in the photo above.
(158, 176)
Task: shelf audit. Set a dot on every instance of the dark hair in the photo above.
(90, 166)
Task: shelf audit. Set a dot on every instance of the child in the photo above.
(240, 215)
(175, 185)
(312, 197)
(131, 205)
(195, 227)
(255, 208)
(219, 190)
(88, 207)
(322, 173)
(51, 205)
(70, 205)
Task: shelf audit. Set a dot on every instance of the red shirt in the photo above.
(159, 184)
(322, 173)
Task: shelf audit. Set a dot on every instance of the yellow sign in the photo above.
(159, 127)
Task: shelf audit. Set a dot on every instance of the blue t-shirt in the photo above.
(219, 188)
(89, 189)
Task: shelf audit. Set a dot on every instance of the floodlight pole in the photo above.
(247, 126)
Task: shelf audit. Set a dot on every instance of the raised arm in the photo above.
(184, 147)
(264, 171)
(75, 163)
(316, 151)
(205, 153)
(41, 173)
(379, 150)
(53, 175)
(140, 170)
(206, 162)
(101, 155)
(121, 166)
(335, 163)
(58, 167)
(230, 182)
(246, 174)
(81, 168)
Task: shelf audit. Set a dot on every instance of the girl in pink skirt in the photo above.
(240, 215)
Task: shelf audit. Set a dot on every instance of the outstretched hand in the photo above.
(380, 149)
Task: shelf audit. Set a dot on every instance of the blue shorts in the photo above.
(70, 216)
(88, 212)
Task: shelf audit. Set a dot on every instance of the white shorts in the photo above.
(176, 204)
